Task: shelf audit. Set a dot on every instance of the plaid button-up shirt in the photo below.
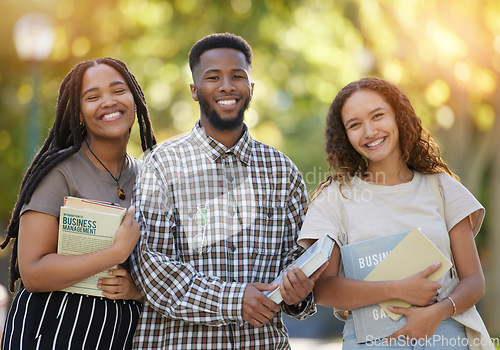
(213, 220)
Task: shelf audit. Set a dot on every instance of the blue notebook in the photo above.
(359, 259)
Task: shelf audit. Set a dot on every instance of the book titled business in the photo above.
(359, 259)
(87, 226)
(392, 257)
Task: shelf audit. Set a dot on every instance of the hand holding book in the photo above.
(394, 257)
(414, 255)
(310, 261)
(419, 289)
(256, 309)
(119, 285)
(296, 285)
(87, 226)
(127, 235)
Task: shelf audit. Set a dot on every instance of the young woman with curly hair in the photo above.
(383, 163)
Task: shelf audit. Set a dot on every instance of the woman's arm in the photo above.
(43, 270)
(471, 287)
(119, 285)
(348, 294)
(424, 321)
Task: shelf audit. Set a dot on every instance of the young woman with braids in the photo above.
(85, 155)
(382, 163)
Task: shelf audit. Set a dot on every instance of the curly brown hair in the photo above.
(418, 149)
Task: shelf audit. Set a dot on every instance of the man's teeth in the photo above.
(378, 142)
(227, 102)
(112, 115)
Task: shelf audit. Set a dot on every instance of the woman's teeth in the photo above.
(112, 115)
(375, 143)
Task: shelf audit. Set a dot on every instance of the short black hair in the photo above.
(219, 41)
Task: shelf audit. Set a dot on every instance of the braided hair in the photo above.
(66, 137)
(419, 151)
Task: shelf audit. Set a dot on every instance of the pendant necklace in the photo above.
(121, 192)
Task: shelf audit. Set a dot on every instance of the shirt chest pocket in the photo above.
(251, 229)
(267, 229)
(195, 233)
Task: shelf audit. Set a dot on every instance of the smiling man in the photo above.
(220, 214)
(222, 87)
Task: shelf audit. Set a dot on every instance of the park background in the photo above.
(445, 55)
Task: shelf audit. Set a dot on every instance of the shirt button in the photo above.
(230, 178)
(270, 213)
(233, 248)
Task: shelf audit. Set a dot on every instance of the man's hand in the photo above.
(295, 286)
(258, 309)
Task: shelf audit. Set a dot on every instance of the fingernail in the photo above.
(436, 264)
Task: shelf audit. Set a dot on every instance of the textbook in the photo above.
(311, 260)
(413, 254)
(361, 260)
(86, 226)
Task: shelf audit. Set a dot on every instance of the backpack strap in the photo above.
(434, 182)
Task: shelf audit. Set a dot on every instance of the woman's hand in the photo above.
(417, 289)
(127, 235)
(422, 322)
(119, 286)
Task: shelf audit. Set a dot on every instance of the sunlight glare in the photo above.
(445, 117)
(446, 42)
(462, 71)
(80, 46)
(485, 118)
(437, 93)
(25, 93)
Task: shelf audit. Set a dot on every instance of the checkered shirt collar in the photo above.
(214, 149)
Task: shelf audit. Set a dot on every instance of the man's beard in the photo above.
(223, 124)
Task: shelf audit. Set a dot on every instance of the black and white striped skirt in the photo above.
(60, 320)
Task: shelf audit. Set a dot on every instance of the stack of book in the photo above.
(391, 257)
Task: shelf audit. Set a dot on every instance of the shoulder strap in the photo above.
(434, 182)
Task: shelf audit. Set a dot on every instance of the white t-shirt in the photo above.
(362, 211)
